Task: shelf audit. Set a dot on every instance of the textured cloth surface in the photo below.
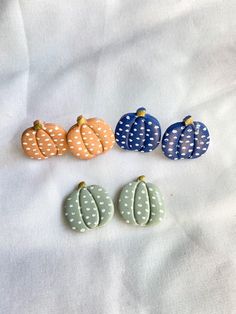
(60, 59)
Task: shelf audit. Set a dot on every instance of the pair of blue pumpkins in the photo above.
(140, 131)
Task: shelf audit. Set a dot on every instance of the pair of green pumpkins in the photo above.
(89, 207)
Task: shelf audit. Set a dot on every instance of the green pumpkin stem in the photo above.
(38, 125)
(81, 120)
(81, 185)
(141, 178)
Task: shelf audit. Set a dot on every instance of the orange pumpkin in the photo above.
(90, 138)
(44, 140)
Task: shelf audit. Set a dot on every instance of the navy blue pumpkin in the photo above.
(185, 140)
(138, 131)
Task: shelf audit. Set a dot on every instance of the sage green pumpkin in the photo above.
(88, 207)
(141, 203)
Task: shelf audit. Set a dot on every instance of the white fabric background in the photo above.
(59, 59)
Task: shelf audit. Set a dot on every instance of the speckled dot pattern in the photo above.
(47, 141)
(141, 203)
(88, 207)
(91, 138)
(138, 131)
(185, 141)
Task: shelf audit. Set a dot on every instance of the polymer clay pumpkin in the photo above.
(141, 203)
(44, 140)
(88, 207)
(90, 138)
(138, 131)
(185, 140)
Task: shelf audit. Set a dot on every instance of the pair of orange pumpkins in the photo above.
(86, 139)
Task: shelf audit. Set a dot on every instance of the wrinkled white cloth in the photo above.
(60, 59)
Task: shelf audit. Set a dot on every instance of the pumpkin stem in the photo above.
(81, 185)
(188, 120)
(81, 120)
(141, 178)
(38, 125)
(141, 112)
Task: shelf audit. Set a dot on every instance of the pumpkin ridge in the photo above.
(72, 199)
(69, 139)
(99, 215)
(123, 209)
(178, 143)
(51, 139)
(159, 209)
(133, 204)
(107, 127)
(128, 137)
(194, 142)
(149, 207)
(58, 137)
(193, 127)
(33, 135)
(169, 131)
(38, 142)
(122, 131)
(90, 128)
(130, 127)
(145, 139)
(154, 128)
(149, 204)
(81, 213)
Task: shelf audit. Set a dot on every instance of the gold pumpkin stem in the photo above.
(81, 120)
(81, 185)
(141, 178)
(188, 120)
(141, 112)
(38, 125)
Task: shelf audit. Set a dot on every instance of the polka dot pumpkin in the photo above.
(44, 140)
(141, 203)
(185, 140)
(90, 138)
(138, 132)
(88, 207)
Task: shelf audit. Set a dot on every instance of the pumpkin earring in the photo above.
(44, 140)
(141, 203)
(138, 131)
(88, 207)
(185, 140)
(90, 138)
